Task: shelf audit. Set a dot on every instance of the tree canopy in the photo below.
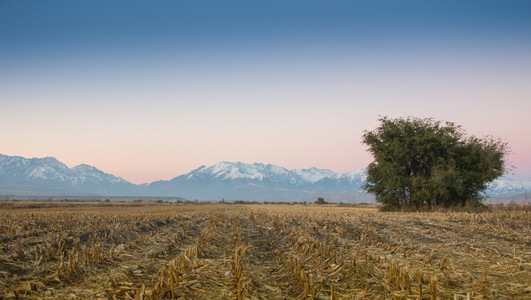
(420, 162)
(320, 201)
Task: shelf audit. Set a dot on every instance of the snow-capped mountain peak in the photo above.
(314, 174)
(48, 175)
(260, 172)
(237, 170)
(84, 167)
(357, 175)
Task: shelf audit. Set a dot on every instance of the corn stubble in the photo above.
(168, 251)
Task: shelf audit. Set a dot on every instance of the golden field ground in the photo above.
(220, 251)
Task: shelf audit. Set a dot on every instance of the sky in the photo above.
(149, 90)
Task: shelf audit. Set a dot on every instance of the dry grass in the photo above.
(165, 251)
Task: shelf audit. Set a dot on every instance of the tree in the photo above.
(320, 201)
(421, 162)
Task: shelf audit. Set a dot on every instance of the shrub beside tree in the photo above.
(423, 162)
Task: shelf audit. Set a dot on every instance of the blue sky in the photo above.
(171, 85)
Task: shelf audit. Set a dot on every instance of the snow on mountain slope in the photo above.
(314, 174)
(260, 172)
(47, 168)
(260, 182)
(508, 186)
(355, 176)
(238, 170)
(49, 174)
(85, 173)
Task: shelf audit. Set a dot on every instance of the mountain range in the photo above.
(228, 180)
(48, 176)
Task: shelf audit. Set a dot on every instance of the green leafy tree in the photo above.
(420, 162)
(320, 201)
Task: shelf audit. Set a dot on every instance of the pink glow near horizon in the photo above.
(146, 149)
(153, 125)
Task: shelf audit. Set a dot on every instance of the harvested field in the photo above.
(165, 251)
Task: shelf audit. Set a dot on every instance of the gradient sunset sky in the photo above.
(148, 90)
